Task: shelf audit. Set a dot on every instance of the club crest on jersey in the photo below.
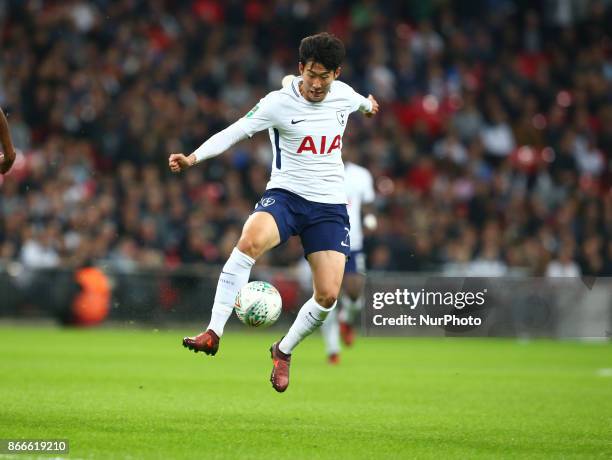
(265, 202)
(341, 115)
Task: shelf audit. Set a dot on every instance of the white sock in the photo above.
(234, 275)
(350, 308)
(345, 304)
(309, 318)
(330, 331)
(358, 307)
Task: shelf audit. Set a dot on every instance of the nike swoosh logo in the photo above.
(342, 243)
(295, 122)
(316, 320)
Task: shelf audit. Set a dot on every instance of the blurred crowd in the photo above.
(491, 154)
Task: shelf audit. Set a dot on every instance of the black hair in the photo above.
(324, 48)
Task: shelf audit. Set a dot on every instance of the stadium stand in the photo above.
(492, 152)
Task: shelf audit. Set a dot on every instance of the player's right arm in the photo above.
(8, 158)
(214, 146)
(260, 117)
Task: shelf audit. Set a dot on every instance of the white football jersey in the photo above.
(306, 139)
(359, 190)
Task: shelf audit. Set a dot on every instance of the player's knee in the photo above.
(250, 246)
(326, 298)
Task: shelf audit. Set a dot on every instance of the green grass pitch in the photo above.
(139, 394)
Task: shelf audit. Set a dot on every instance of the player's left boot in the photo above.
(280, 368)
(207, 341)
(347, 332)
(333, 359)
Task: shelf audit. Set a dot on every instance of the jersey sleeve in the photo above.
(358, 102)
(368, 188)
(260, 117)
(220, 142)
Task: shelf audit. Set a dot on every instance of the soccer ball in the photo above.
(258, 304)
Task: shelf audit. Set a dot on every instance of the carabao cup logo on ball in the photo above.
(258, 304)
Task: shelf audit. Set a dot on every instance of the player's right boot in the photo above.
(207, 341)
(280, 368)
(347, 333)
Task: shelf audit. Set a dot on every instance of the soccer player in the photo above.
(8, 152)
(305, 195)
(359, 186)
(360, 194)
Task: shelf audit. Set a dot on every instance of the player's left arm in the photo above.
(8, 157)
(366, 105)
(374, 107)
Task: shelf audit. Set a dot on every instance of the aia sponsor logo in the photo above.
(323, 148)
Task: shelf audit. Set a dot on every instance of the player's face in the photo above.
(316, 80)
